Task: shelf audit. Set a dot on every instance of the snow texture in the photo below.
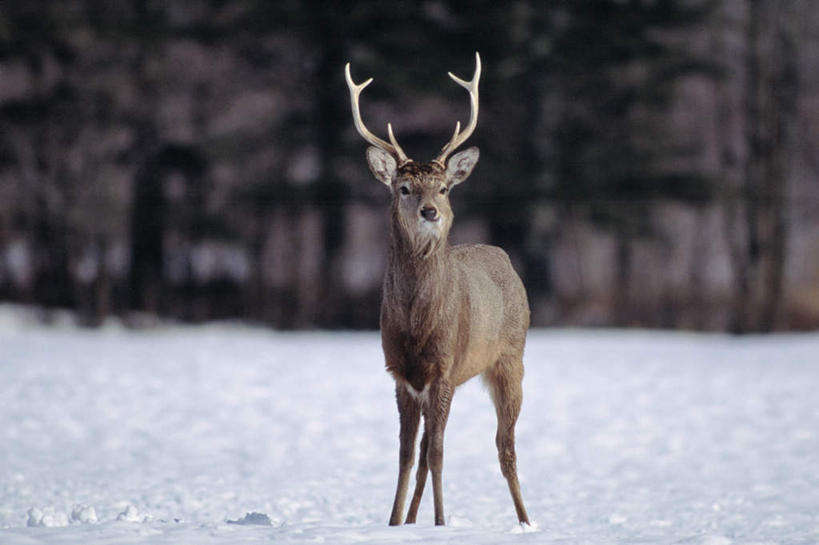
(227, 434)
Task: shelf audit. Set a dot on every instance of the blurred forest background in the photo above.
(645, 163)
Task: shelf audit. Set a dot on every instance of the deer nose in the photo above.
(429, 213)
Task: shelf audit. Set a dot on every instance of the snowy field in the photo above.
(228, 434)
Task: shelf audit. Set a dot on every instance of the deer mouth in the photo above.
(429, 227)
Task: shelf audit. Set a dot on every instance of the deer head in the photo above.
(420, 191)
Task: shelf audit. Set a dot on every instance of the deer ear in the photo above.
(460, 166)
(382, 165)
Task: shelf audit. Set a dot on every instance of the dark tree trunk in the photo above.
(783, 88)
(622, 273)
(772, 83)
(148, 219)
(331, 194)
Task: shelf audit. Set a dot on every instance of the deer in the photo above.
(448, 312)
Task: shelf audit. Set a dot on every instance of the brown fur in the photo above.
(448, 313)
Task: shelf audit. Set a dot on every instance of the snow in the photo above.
(228, 434)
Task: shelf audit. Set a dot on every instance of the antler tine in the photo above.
(402, 157)
(460, 137)
(355, 91)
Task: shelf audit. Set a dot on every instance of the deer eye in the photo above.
(404, 190)
(443, 190)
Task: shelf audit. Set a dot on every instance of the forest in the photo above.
(645, 163)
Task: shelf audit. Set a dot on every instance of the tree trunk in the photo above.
(622, 274)
(330, 193)
(783, 89)
(772, 83)
(147, 229)
(728, 171)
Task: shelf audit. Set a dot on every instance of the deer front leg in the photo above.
(420, 480)
(409, 414)
(435, 416)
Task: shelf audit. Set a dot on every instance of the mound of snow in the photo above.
(132, 514)
(46, 518)
(253, 519)
(84, 514)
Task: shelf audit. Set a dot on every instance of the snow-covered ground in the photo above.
(228, 434)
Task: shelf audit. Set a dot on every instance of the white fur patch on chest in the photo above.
(421, 397)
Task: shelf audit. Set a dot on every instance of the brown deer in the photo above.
(448, 313)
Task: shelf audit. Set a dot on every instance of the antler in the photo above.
(460, 137)
(392, 147)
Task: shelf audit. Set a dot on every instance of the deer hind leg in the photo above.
(409, 413)
(504, 381)
(420, 480)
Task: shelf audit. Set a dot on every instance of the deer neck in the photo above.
(418, 285)
(417, 264)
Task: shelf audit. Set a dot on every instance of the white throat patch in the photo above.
(429, 228)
